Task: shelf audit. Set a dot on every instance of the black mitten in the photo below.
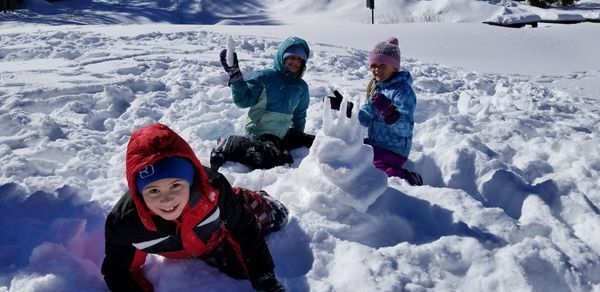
(336, 102)
(233, 71)
(272, 152)
(296, 139)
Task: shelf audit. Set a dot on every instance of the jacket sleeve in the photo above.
(122, 262)
(364, 115)
(246, 92)
(244, 230)
(405, 101)
(299, 115)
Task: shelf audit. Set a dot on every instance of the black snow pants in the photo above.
(265, 152)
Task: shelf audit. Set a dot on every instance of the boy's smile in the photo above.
(167, 197)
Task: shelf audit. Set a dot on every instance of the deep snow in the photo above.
(510, 159)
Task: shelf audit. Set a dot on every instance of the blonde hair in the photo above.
(371, 87)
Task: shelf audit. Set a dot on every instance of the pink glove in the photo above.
(386, 108)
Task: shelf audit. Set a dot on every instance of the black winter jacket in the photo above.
(214, 221)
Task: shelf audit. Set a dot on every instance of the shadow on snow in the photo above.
(179, 12)
(60, 217)
(424, 222)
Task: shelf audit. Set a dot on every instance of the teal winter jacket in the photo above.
(278, 98)
(396, 137)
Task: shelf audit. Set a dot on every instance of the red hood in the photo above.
(150, 144)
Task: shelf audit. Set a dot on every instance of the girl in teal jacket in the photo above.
(277, 99)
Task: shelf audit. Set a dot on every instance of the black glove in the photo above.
(296, 139)
(268, 151)
(267, 283)
(233, 71)
(336, 102)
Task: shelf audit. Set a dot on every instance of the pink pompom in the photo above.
(393, 41)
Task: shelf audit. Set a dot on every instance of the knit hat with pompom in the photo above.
(386, 52)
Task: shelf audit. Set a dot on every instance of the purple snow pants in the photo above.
(391, 163)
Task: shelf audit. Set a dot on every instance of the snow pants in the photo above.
(265, 152)
(392, 164)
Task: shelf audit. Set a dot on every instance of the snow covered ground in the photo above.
(509, 154)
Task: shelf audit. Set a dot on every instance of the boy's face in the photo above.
(382, 72)
(293, 63)
(167, 197)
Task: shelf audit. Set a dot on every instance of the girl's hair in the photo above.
(371, 87)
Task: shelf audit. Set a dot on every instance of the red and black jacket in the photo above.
(213, 216)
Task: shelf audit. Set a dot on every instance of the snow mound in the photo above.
(343, 162)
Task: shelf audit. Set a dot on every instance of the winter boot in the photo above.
(279, 212)
(413, 178)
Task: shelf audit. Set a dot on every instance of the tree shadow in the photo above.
(231, 12)
(186, 12)
(583, 6)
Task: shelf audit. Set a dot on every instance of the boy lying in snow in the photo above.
(177, 208)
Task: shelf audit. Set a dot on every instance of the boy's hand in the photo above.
(268, 283)
(386, 108)
(233, 71)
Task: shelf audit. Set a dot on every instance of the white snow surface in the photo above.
(506, 138)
